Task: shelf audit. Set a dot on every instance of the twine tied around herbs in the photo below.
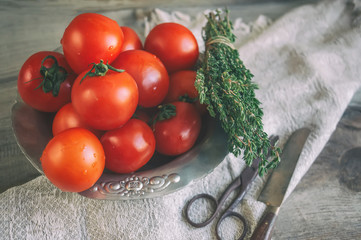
(220, 39)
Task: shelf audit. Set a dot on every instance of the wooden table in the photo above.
(323, 206)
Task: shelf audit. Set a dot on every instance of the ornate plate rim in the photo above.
(168, 178)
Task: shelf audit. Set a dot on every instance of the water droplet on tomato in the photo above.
(85, 172)
(110, 48)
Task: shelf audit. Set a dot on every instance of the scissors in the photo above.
(242, 183)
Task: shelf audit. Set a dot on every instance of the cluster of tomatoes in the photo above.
(116, 102)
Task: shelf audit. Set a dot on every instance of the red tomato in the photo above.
(105, 102)
(128, 148)
(131, 39)
(67, 118)
(44, 94)
(178, 134)
(89, 38)
(174, 44)
(181, 84)
(73, 160)
(149, 73)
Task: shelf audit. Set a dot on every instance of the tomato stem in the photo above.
(187, 98)
(165, 112)
(100, 69)
(53, 76)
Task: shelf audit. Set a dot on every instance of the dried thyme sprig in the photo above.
(226, 86)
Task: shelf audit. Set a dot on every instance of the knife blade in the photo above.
(275, 189)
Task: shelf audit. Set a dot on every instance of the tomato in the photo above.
(149, 73)
(89, 38)
(174, 44)
(46, 94)
(181, 85)
(105, 102)
(179, 133)
(128, 148)
(73, 160)
(131, 39)
(67, 118)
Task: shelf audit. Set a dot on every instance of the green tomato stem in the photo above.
(100, 69)
(52, 77)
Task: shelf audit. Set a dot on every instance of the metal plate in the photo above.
(161, 175)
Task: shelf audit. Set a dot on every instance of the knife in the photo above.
(276, 187)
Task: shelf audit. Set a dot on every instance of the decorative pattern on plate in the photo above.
(136, 185)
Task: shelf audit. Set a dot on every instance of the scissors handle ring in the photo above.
(189, 204)
(232, 214)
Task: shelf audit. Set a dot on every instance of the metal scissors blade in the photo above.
(242, 183)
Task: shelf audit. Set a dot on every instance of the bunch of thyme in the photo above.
(225, 85)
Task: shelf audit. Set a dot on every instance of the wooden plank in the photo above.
(321, 206)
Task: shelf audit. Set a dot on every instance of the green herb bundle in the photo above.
(225, 85)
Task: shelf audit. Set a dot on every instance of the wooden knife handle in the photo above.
(265, 227)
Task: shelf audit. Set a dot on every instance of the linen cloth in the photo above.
(307, 65)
